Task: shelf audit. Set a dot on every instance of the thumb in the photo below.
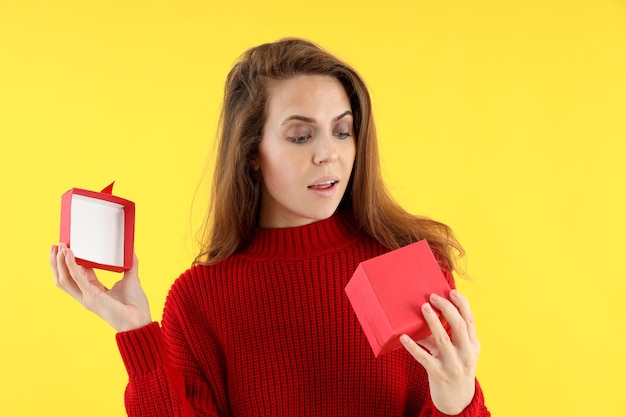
(133, 272)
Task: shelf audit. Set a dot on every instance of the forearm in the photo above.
(155, 388)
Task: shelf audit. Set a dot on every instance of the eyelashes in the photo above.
(307, 137)
(299, 139)
(342, 135)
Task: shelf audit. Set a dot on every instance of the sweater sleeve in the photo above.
(476, 408)
(155, 388)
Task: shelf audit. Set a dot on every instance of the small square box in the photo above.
(99, 228)
(387, 293)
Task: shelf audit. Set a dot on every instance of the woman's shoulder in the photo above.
(197, 275)
(209, 276)
(197, 286)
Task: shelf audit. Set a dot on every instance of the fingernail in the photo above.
(427, 308)
(404, 338)
(434, 298)
(454, 293)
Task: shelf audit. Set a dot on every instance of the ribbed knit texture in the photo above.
(270, 332)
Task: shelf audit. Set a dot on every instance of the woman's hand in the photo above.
(124, 307)
(449, 362)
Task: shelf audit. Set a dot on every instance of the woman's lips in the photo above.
(324, 188)
(323, 185)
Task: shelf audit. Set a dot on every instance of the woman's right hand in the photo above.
(124, 306)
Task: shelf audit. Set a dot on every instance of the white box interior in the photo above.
(97, 230)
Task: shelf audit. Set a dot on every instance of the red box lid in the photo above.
(99, 228)
(387, 292)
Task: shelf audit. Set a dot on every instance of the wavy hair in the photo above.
(234, 206)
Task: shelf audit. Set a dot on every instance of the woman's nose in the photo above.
(325, 150)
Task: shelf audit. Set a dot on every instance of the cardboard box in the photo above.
(387, 293)
(99, 228)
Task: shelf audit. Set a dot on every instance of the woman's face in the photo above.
(307, 151)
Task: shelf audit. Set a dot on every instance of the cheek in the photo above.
(350, 153)
(277, 169)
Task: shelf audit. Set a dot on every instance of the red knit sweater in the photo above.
(270, 332)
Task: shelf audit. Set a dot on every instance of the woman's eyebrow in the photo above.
(342, 115)
(311, 120)
(300, 118)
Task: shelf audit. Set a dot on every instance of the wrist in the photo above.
(456, 404)
(129, 323)
(134, 324)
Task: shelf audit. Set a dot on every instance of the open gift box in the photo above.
(99, 228)
(387, 292)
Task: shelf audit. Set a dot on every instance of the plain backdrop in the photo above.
(504, 119)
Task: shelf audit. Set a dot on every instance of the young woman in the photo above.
(261, 325)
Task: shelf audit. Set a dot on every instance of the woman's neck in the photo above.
(305, 241)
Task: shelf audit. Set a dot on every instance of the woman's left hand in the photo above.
(449, 361)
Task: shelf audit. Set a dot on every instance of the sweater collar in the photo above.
(306, 241)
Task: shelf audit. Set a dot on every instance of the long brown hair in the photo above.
(234, 206)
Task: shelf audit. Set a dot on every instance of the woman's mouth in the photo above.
(324, 185)
(324, 189)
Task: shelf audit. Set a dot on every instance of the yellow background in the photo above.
(504, 119)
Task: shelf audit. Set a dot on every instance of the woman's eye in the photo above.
(342, 135)
(299, 139)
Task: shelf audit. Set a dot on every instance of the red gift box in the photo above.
(99, 228)
(387, 292)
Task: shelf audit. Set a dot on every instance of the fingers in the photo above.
(437, 344)
(62, 276)
(430, 345)
(450, 314)
(53, 263)
(463, 306)
(460, 319)
(458, 324)
(79, 282)
(422, 356)
(84, 278)
(76, 272)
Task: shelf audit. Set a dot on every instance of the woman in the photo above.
(261, 325)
